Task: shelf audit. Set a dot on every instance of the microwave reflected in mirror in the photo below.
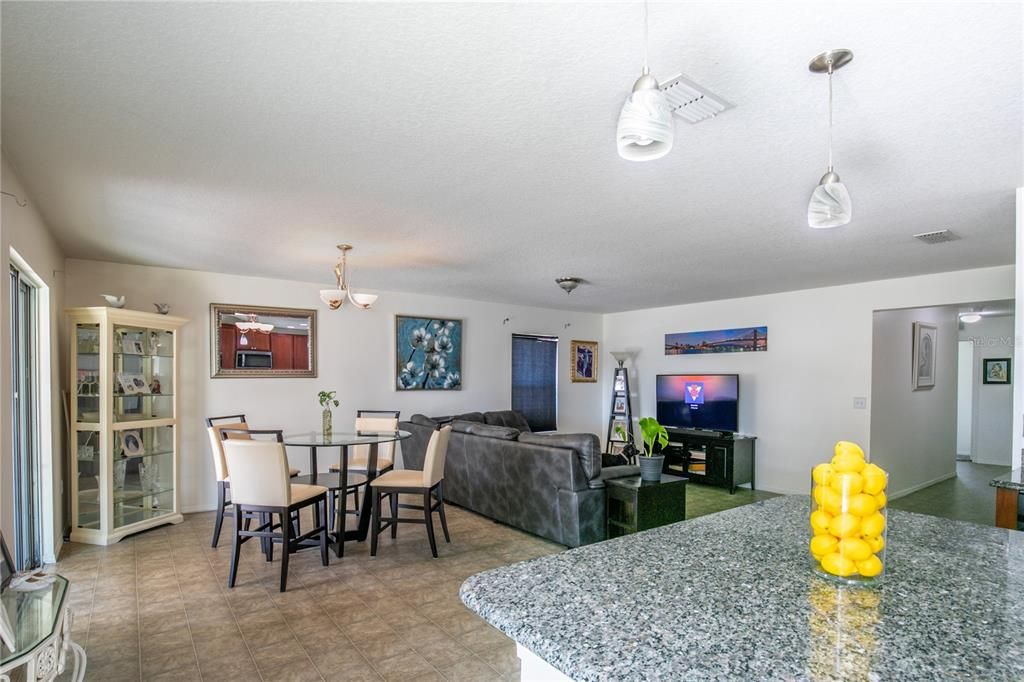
(257, 341)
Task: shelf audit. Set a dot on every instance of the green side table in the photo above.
(633, 505)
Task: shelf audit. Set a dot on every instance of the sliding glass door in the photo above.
(25, 422)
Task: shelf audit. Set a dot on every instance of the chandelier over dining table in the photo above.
(335, 298)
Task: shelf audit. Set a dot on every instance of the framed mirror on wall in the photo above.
(258, 341)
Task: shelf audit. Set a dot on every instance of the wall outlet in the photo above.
(860, 403)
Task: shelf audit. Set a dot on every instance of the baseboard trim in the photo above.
(199, 509)
(921, 486)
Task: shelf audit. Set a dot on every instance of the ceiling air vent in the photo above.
(936, 237)
(692, 102)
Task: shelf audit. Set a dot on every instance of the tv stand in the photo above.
(720, 458)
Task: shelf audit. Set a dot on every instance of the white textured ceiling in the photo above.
(468, 149)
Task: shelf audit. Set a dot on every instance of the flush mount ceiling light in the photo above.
(971, 317)
(568, 284)
(830, 204)
(335, 298)
(645, 128)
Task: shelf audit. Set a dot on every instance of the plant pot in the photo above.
(650, 467)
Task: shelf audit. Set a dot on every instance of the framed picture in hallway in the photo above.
(428, 354)
(925, 338)
(583, 359)
(995, 370)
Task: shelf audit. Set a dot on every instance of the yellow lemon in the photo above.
(876, 543)
(822, 473)
(870, 567)
(845, 526)
(847, 483)
(881, 500)
(817, 495)
(820, 520)
(854, 548)
(831, 501)
(821, 531)
(872, 525)
(874, 479)
(846, 462)
(845, 447)
(862, 505)
(823, 544)
(837, 564)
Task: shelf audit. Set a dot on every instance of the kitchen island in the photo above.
(731, 596)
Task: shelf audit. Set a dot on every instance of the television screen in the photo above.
(699, 401)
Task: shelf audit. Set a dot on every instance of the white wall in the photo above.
(913, 433)
(797, 397)
(992, 405)
(1018, 326)
(964, 398)
(355, 350)
(22, 229)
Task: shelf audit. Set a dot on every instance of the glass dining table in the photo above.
(340, 482)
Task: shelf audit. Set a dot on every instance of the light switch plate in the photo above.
(860, 403)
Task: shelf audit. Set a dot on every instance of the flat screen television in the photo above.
(699, 401)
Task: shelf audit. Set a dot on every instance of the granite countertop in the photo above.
(1013, 480)
(731, 596)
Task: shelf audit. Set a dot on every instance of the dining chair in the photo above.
(260, 487)
(410, 481)
(214, 426)
(359, 459)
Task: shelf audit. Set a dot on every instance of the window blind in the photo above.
(535, 380)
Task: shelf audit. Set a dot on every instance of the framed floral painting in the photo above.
(584, 361)
(428, 354)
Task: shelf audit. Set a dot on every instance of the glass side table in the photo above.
(42, 630)
(633, 505)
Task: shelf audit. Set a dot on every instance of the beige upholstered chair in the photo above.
(426, 483)
(214, 426)
(260, 487)
(359, 459)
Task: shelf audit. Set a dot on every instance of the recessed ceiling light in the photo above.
(970, 318)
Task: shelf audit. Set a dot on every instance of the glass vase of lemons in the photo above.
(849, 517)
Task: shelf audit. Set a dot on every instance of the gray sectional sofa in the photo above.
(551, 485)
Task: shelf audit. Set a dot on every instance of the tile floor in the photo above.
(968, 497)
(157, 607)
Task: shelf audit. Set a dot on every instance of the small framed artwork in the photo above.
(131, 443)
(995, 370)
(583, 366)
(619, 406)
(616, 425)
(925, 338)
(620, 382)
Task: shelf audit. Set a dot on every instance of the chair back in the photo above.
(437, 450)
(258, 469)
(214, 429)
(377, 420)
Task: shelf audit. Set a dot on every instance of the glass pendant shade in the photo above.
(333, 298)
(645, 129)
(363, 301)
(830, 205)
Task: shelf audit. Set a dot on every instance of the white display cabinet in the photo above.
(124, 422)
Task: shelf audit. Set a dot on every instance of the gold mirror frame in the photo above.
(217, 372)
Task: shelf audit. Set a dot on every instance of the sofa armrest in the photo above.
(614, 472)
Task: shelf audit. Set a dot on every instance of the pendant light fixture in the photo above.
(645, 129)
(830, 204)
(252, 325)
(335, 298)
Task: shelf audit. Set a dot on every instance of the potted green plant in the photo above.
(327, 400)
(653, 434)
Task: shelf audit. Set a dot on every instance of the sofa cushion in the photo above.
(486, 430)
(586, 446)
(507, 418)
(422, 420)
(471, 417)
